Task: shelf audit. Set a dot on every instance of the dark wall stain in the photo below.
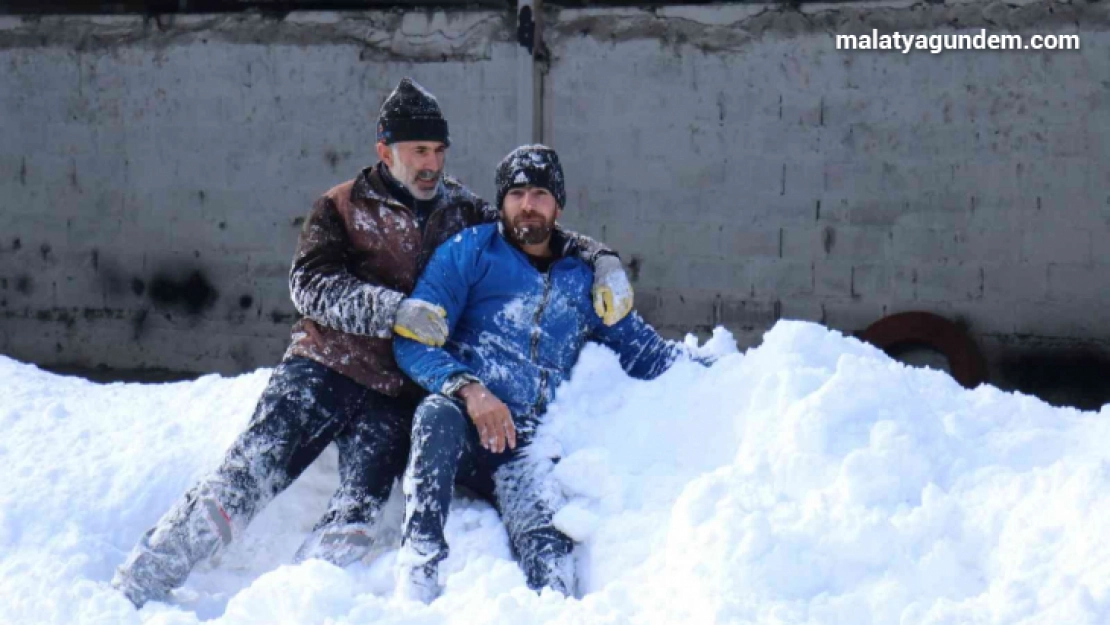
(45, 251)
(246, 301)
(23, 171)
(332, 158)
(1069, 377)
(280, 317)
(298, 222)
(241, 356)
(16, 244)
(73, 181)
(138, 287)
(828, 239)
(70, 316)
(634, 268)
(113, 282)
(193, 294)
(60, 315)
(24, 285)
(138, 323)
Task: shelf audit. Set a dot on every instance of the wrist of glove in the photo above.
(612, 291)
(422, 322)
(384, 304)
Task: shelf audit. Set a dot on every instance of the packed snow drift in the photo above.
(809, 480)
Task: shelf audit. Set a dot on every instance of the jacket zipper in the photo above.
(538, 408)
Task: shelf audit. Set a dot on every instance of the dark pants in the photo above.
(305, 407)
(446, 450)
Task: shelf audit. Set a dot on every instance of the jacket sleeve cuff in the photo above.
(456, 382)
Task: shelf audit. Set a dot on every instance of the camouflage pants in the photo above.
(305, 407)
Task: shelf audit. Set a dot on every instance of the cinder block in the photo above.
(842, 242)
(780, 279)
(989, 245)
(909, 244)
(872, 281)
(718, 275)
(804, 177)
(833, 279)
(749, 315)
(1011, 282)
(984, 317)
(851, 316)
(802, 308)
(1054, 242)
(1068, 318)
(876, 209)
(679, 308)
(650, 272)
(901, 282)
(1081, 283)
(948, 282)
(737, 242)
(691, 238)
(862, 243)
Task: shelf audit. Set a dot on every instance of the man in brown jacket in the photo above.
(361, 250)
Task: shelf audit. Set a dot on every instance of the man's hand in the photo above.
(422, 322)
(491, 416)
(612, 291)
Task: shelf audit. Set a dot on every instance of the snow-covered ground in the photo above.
(810, 480)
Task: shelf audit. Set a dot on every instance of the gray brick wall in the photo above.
(743, 171)
(745, 168)
(136, 162)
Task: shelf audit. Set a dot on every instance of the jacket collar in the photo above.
(562, 246)
(371, 184)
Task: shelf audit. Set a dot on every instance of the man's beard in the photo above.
(527, 234)
(408, 178)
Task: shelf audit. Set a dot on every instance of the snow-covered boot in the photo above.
(340, 545)
(561, 574)
(136, 593)
(419, 582)
(193, 530)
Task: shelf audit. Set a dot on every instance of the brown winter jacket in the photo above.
(360, 253)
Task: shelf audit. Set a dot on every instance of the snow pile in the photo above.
(810, 480)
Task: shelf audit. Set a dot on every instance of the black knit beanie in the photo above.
(410, 113)
(531, 165)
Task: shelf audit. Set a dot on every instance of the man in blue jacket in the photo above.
(517, 304)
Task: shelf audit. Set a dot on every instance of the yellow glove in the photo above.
(422, 322)
(612, 292)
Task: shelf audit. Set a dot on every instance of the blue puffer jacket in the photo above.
(518, 330)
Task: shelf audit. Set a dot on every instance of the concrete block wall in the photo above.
(154, 177)
(750, 171)
(154, 173)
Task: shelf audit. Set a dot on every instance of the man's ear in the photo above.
(385, 154)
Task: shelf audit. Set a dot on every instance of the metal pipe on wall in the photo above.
(529, 75)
